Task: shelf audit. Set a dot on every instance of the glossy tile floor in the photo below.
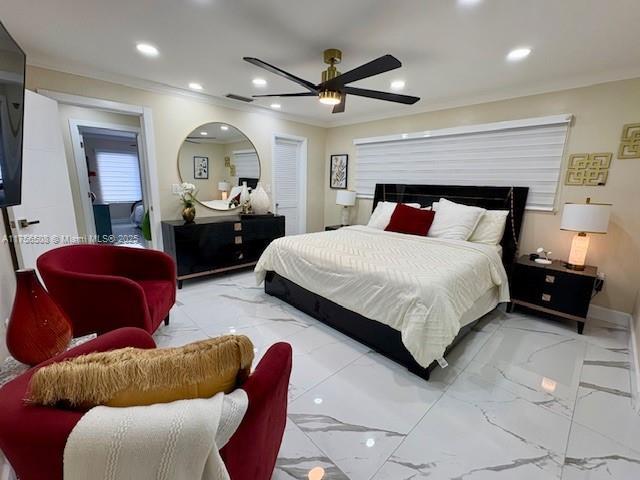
(523, 397)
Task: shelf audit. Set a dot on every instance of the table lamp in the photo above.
(346, 198)
(583, 218)
(224, 188)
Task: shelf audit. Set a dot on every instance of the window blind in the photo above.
(525, 153)
(118, 176)
(247, 164)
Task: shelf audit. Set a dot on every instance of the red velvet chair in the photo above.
(105, 287)
(33, 438)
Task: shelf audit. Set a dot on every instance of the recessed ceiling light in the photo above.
(370, 442)
(204, 133)
(224, 127)
(276, 106)
(195, 86)
(259, 82)
(518, 54)
(147, 49)
(468, 3)
(405, 135)
(397, 85)
(317, 400)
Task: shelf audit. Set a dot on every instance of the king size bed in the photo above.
(411, 298)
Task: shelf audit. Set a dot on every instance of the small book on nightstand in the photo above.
(554, 288)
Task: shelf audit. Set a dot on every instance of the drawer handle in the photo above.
(238, 240)
(546, 297)
(550, 279)
(237, 227)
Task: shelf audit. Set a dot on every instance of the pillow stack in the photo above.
(444, 219)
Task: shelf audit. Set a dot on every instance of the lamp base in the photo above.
(345, 216)
(571, 266)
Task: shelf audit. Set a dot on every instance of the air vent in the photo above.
(233, 96)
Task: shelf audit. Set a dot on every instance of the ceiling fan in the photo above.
(333, 89)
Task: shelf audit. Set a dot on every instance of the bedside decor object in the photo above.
(338, 171)
(630, 142)
(224, 187)
(260, 202)
(554, 289)
(187, 194)
(346, 198)
(546, 260)
(37, 330)
(245, 199)
(583, 218)
(589, 169)
(201, 168)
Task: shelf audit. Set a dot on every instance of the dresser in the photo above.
(218, 244)
(554, 289)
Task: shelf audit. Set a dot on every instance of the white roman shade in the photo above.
(247, 164)
(525, 153)
(118, 177)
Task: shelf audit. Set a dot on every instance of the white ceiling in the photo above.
(452, 54)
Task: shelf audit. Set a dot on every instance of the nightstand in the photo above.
(554, 289)
(334, 227)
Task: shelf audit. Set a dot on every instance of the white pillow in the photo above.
(381, 215)
(455, 221)
(490, 227)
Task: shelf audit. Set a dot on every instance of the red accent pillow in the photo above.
(410, 220)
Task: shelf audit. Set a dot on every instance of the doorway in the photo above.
(115, 187)
(289, 181)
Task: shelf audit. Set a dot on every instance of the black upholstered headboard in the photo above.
(513, 199)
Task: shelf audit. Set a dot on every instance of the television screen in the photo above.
(12, 69)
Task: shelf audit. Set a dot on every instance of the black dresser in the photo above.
(554, 289)
(218, 244)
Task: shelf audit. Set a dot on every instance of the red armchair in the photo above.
(33, 438)
(105, 287)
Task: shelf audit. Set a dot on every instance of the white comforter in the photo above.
(420, 286)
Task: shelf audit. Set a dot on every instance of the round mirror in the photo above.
(217, 158)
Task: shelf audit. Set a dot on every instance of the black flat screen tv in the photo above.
(12, 75)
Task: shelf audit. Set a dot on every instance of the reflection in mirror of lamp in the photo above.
(232, 159)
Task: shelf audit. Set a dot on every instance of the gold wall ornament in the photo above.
(630, 142)
(227, 161)
(232, 170)
(588, 169)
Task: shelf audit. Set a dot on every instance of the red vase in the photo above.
(38, 330)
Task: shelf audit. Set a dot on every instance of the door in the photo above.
(46, 217)
(289, 182)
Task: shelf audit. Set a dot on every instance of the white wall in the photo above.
(7, 290)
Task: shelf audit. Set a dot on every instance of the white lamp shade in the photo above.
(346, 198)
(223, 186)
(586, 217)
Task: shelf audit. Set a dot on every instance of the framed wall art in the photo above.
(338, 172)
(201, 168)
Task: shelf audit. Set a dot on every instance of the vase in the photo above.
(244, 194)
(37, 330)
(260, 200)
(189, 214)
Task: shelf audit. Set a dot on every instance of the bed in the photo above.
(409, 298)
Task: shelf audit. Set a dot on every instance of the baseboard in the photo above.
(608, 315)
(635, 370)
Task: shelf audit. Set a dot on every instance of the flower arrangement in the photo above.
(188, 194)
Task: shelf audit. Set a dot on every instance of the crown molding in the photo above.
(164, 89)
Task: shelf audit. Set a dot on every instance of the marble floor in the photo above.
(522, 398)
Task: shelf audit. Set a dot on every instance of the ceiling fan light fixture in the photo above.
(327, 97)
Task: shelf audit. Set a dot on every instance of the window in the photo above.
(525, 153)
(247, 164)
(118, 176)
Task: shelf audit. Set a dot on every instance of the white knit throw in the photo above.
(166, 441)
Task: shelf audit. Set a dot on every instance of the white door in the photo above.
(46, 217)
(289, 182)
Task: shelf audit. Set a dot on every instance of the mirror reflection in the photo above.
(217, 158)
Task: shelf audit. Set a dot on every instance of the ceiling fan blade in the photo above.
(374, 67)
(301, 94)
(389, 97)
(278, 71)
(339, 108)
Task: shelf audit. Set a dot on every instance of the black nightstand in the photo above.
(334, 227)
(554, 288)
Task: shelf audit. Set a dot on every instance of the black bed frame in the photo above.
(378, 336)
